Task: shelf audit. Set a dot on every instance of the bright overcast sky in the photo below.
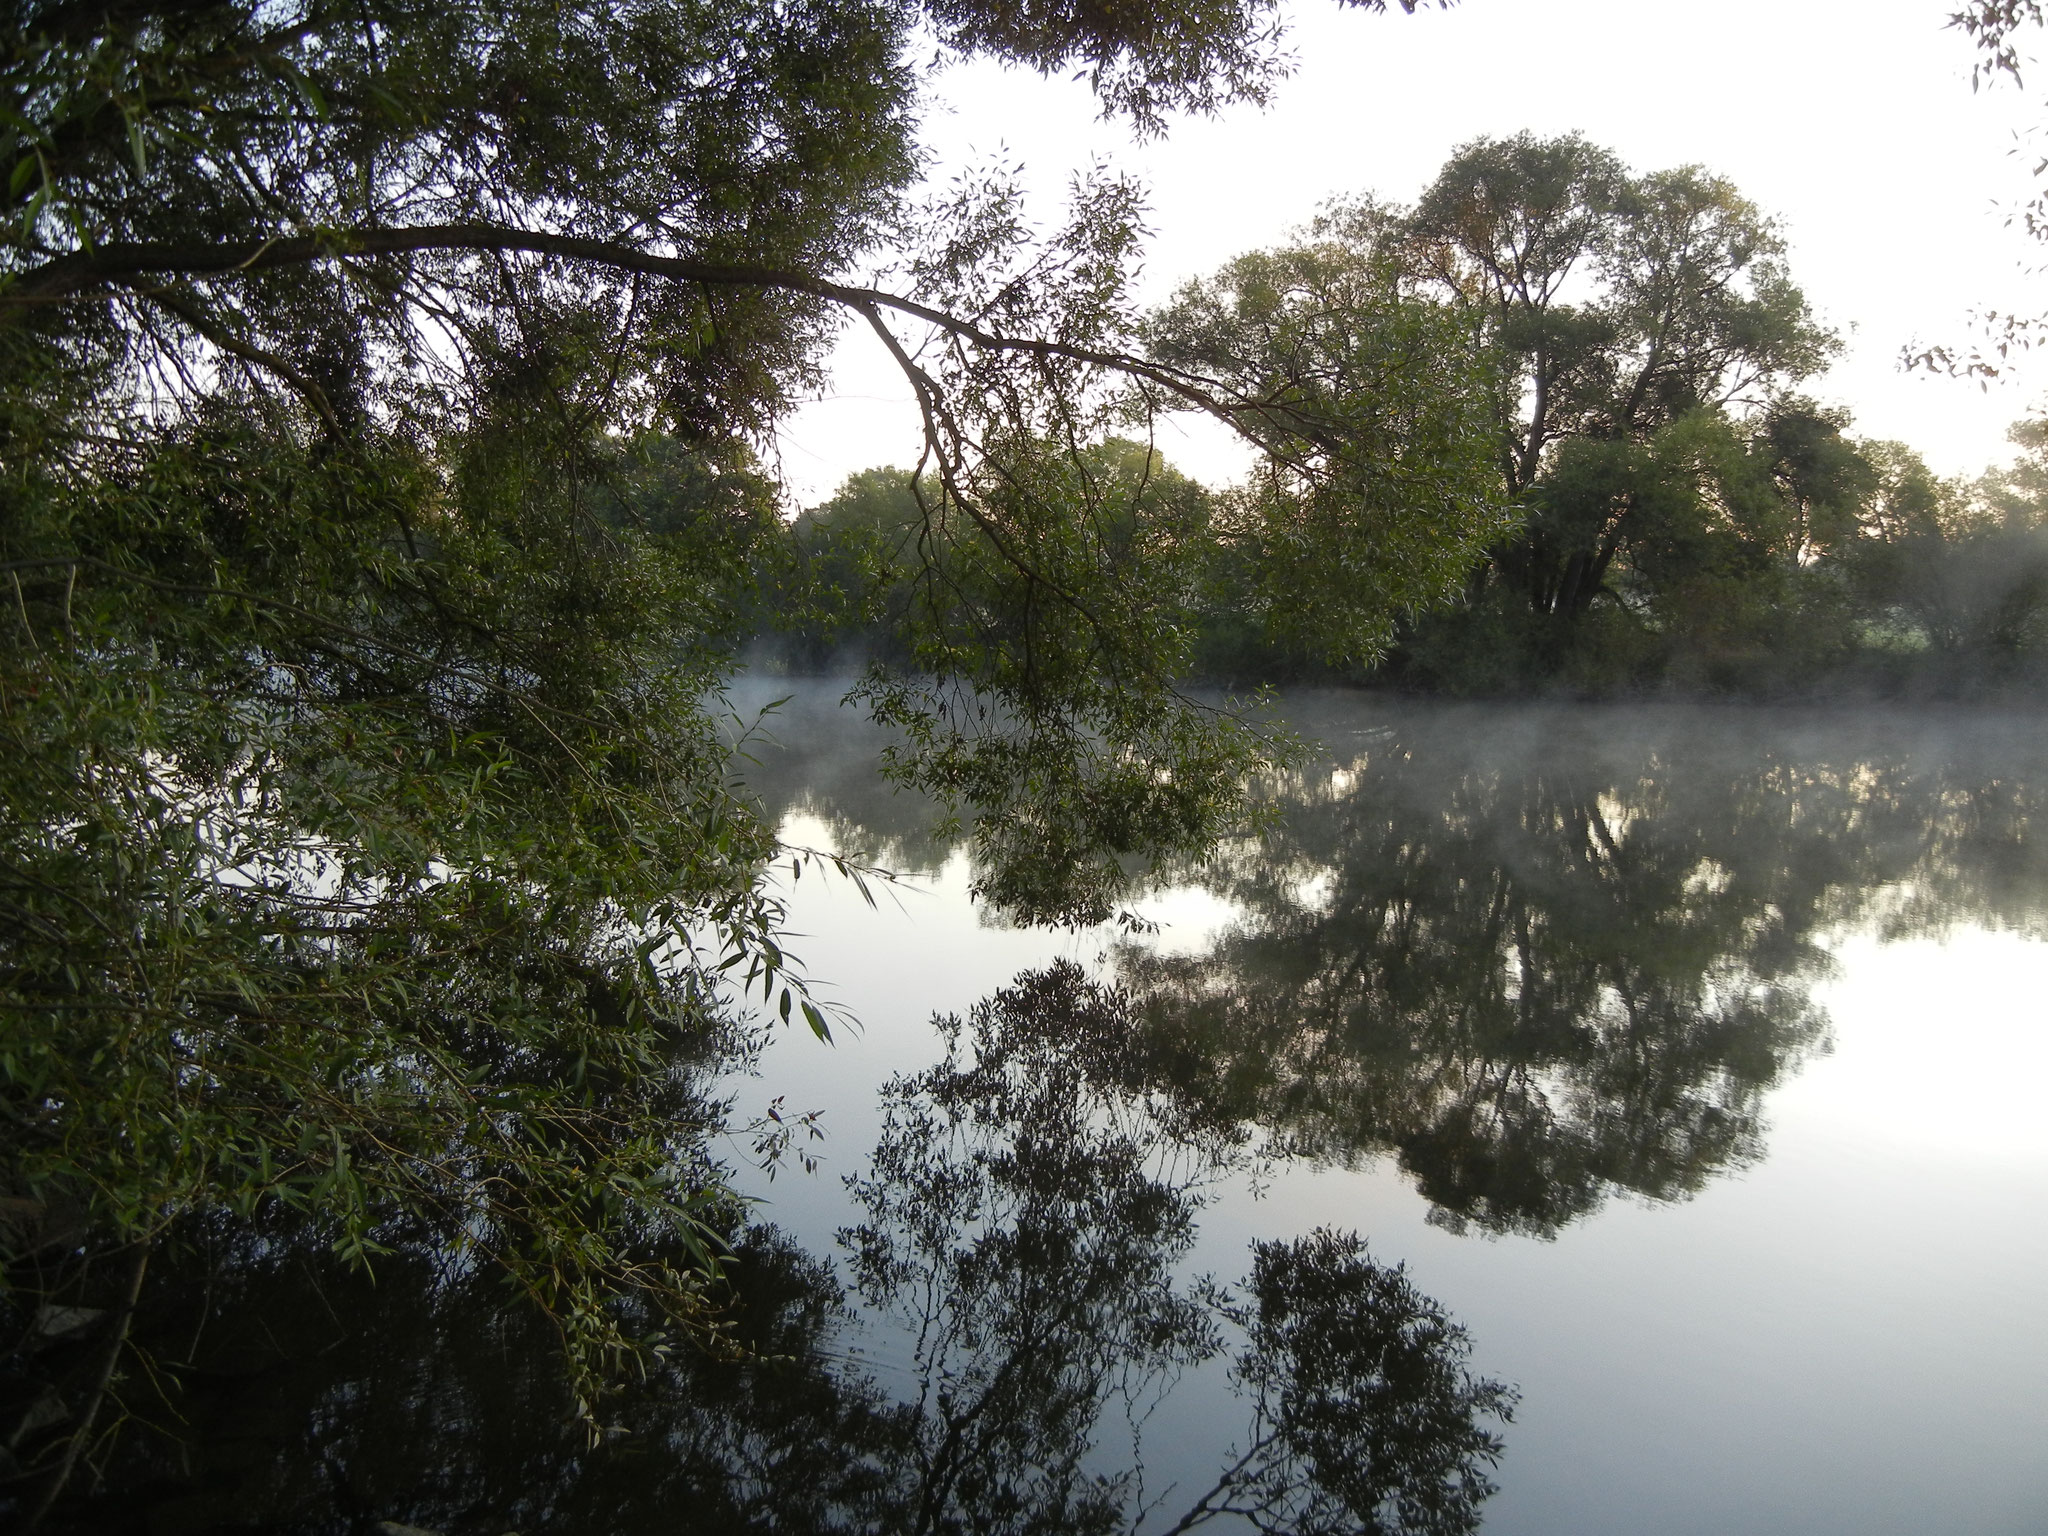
(1850, 121)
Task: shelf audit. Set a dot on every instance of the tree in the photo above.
(850, 555)
(1621, 302)
(1071, 724)
(1328, 547)
(1618, 303)
(1994, 26)
(1962, 568)
(1036, 1211)
(379, 526)
(1987, 593)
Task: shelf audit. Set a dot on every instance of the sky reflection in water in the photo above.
(1676, 1068)
(1760, 1123)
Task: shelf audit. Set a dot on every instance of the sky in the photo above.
(1852, 122)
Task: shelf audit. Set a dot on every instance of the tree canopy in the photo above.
(381, 391)
(380, 519)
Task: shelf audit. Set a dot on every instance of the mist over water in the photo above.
(1629, 1107)
(1680, 1051)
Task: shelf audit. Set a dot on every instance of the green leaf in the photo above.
(816, 1020)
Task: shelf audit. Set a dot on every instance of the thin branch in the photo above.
(117, 1340)
(125, 264)
(249, 352)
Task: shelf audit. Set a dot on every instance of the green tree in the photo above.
(1619, 306)
(853, 553)
(1620, 302)
(1327, 548)
(929, 592)
(376, 383)
(1963, 568)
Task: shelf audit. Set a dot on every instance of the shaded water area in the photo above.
(1559, 1120)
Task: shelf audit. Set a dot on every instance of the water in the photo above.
(1690, 1059)
(1665, 1079)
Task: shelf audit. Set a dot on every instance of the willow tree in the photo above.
(2000, 30)
(379, 387)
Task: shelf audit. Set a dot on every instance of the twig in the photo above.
(117, 1340)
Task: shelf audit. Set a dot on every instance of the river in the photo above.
(1563, 1119)
(1690, 1058)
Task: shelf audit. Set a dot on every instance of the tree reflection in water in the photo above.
(1028, 1213)
(1545, 957)
(1545, 954)
(1539, 957)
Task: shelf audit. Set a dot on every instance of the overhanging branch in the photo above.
(129, 264)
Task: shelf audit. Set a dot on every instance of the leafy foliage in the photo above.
(309, 902)
(377, 386)
(1376, 492)
(1029, 1208)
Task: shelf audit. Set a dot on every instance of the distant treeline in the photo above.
(1677, 515)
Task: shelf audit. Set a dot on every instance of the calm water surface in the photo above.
(1637, 1111)
(1691, 1060)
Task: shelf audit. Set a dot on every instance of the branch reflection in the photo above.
(1544, 954)
(1541, 957)
(1022, 1239)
